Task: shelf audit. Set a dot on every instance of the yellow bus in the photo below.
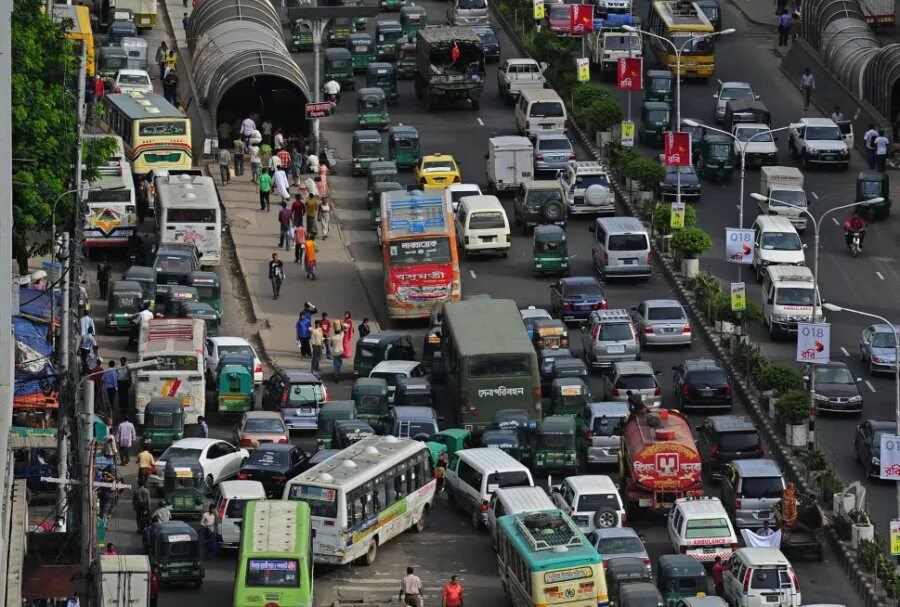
(678, 22)
(80, 17)
(156, 135)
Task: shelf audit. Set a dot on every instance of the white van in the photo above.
(775, 242)
(468, 12)
(761, 577)
(474, 474)
(231, 498)
(787, 298)
(621, 248)
(482, 226)
(513, 500)
(701, 529)
(592, 500)
(540, 110)
(510, 162)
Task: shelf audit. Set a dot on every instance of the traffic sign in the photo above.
(319, 110)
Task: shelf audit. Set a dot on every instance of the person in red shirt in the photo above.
(718, 571)
(284, 157)
(154, 586)
(99, 87)
(453, 593)
(298, 210)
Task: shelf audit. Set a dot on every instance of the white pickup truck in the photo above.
(607, 46)
(514, 75)
(818, 140)
(782, 185)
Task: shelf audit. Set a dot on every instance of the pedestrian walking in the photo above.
(784, 27)
(309, 257)
(94, 362)
(171, 60)
(281, 184)
(296, 166)
(143, 199)
(276, 275)
(186, 23)
(140, 501)
(104, 275)
(326, 332)
(348, 333)
(208, 530)
(111, 383)
(316, 341)
(266, 129)
(337, 350)
(298, 210)
(124, 384)
(881, 151)
(225, 166)
(807, 86)
(363, 329)
(299, 243)
(312, 214)
(264, 187)
(452, 595)
(162, 51)
(325, 217)
(248, 125)
(255, 163)
(323, 180)
(278, 141)
(145, 463)
(303, 333)
(285, 224)
(239, 157)
(411, 589)
(284, 159)
(86, 324)
(170, 85)
(85, 347)
(125, 437)
(718, 574)
(203, 427)
(870, 137)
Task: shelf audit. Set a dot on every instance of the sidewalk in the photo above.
(760, 12)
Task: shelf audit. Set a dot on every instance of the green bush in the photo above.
(748, 359)
(645, 171)
(602, 114)
(584, 93)
(621, 157)
(792, 407)
(691, 242)
(662, 218)
(779, 377)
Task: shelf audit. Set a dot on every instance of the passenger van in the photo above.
(775, 242)
(474, 474)
(513, 500)
(759, 577)
(482, 226)
(621, 248)
(787, 298)
(468, 12)
(230, 500)
(540, 111)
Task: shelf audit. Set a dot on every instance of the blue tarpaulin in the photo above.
(34, 304)
(34, 368)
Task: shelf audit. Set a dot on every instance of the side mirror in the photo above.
(486, 156)
(805, 245)
(770, 301)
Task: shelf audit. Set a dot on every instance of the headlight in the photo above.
(820, 397)
(845, 152)
(876, 460)
(781, 318)
(855, 399)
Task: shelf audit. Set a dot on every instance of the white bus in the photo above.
(177, 345)
(362, 497)
(111, 206)
(187, 210)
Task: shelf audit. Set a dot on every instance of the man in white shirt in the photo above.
(281, 184)
(247, 127)
(869, 138)
(807, 86)
(881, 150)
(332, 91)
(411, 589)
(86, 324)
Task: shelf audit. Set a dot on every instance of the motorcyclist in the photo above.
(140, 501)
(163, 514)
(853, 225)
(332, 91)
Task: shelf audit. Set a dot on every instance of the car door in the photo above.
(673, 525)
(211, 461)
(678, 380)
(232, 458)
(638, 316)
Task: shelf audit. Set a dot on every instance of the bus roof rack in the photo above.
(548, 530)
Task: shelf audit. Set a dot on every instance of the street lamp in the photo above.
(816, 224)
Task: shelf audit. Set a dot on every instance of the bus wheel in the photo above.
(371, 553)
(419, 527)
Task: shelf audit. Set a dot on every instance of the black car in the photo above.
(490, 42)
(867, 444)
(173, 263)
(575, 297)
(837, 391)
(273, 465)
(298, 394)
(667, 189)
(724, 438)
(701, 383)
(322, 455)
(345, 432)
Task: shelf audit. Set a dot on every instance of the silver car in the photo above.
(602, 424)
(751, 488)
(732, 91)
(638, 377)
(877, 348)
(552, 152)
(619, 542)
(609, 336)
(662, 322)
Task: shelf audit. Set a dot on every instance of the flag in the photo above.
(581, 19)
(454, 52)
(677, 151)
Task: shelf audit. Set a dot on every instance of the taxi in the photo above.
(437, 171)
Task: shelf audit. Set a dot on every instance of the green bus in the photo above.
(490, 362)
(275, 561)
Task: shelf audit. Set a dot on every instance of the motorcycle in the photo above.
(854, 242)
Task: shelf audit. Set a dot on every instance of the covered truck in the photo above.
(449, 65)
(124, 580)
(782, 185)
(659, 461)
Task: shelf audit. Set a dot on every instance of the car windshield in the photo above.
(636, 382)
(159, 420)
(834, 375)
(708, 378)
(615, 332)
(732, 93)
(781, 241)
(823, 133)
(586, 181)
(608, 546)
(487, 220)
(758, 135)
(243, 350)
(592, 502)
(264, 426)
(266, 458)
(413, 252)
(791, 197)
(883, 339)
(665, 313)
(540, 197)
(628, 242)
(733, 442)
(438, 167)
(173, 264)
(555, 144)
(587, 289)
(762, 487)
(557, 441)
(606, 426)
(794, 296)
(470, 4)
(517, 478)
(559, 11)
(658, 116)
(621, 43)
(510, 365)
(770, 578)
(305, 394)
(719, 150)
(134, 79)
(547, 109)
(707, 528)
(179, 452)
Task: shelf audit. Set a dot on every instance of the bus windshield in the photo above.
(191, 215)
(412, 252)
(509, 365)
(272, 572)
(175, 363)
(697, 46)
(322, 501)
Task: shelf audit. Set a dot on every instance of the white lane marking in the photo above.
(814, 195)
(472, 272)
(480, 121)
(870, 386)
(836, 222)
(844, 350)
(878, 274)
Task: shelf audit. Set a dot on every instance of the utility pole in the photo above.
(88, 520)
(65, 257)
(80, 111)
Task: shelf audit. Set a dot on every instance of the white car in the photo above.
(592, 500)
(217, 346)
(392, 370)
(732, 91)
(455, 192)
(132, 81)
(220, 460)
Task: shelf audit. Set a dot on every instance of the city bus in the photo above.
(360, 498)
(489, 361)
(275, 558)
(418, 243)
(155, 133)
(188, 210)
(110, 202)
(80, 31)
(545, 561)
(177, 345)
(678, 22)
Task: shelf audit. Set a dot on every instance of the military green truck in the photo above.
(449, 65)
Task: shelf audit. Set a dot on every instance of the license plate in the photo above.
(615, 349)
(710, 550)
(668, 330)
(828, 157)
(304, 411)
(764, 514)
(629, 262)
(706, 392)
(772, 598)
(546, 126)
(487, 239)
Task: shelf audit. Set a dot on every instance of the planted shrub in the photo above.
(792, 407)
(662, 217)
(691, 242)
(779, 377)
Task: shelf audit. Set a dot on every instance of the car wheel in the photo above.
(606, 519)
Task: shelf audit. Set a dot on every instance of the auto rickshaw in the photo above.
(568, 396)
(697, 132)
(371, 109)
(203, 311)
(173, 297)
(405, 57)
(174, 551)
(679, 576)
(301, 36)
(656, 119)
(404, 147)
(448, 442)
(745, 110)
(375, 195)
(716, 160)
(359, 23)
(371, 397)
(432, 355)
(163, 424)
(383, 76)
(348, 431)
(624, 570)
(339, 30)
(658, 85)
(554, 444)
(550, 251)
(550, 333)
(519, 422)
(331, 412)
(381, 170)
(235, 390)
(111, 59)
(146, 277)
(413, 392)
(505, 440)
(125, 299)
(362, 51)
(365, 148)
(392, 5)
(412, 19)
(386, 34)
(873, 184)
(712, 11)
(380, 346)
(209, 287)
(184, 487)
(339, 67)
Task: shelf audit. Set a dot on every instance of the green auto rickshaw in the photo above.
(126, 298)
(173, 297)
(375, 211)
(331, 412)
(209, 287)
(371, 397)
(659, 85)
(554, 444)
(184, 487)
(448, 442)
(568, 396)
(381, 170)
(550, 251)
(386, 34)
(405, 57)
(656, 119)
(339, 67)
(235, 390)
(339, 30)
(146, 277)
(873, 184)
(551, 333)
(716, 160)
(679, 576)
(383, 76)
(624, 570)
(203, 311)
(365, 149)
(373, 197)
(404, 147)
(505, 440)
(359, 23)
(380, 346)
(362, 51)
(163, 423)
(412, 19)
(371, 109)
(301, 36)
(174, 551)
(712, 11)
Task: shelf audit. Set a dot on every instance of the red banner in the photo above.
(581, 19)
(677, 151)
(630, 74)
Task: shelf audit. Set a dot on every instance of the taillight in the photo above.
(153, 469)
(794, 579)
(761, 451)
(284, 395)
(283, 441)
(685, 390)
(647, 563)
(258, 369)
(606, 258)
(508, 237)
(539, 157)
(595, 307)
(648, 329)
(727, 389)
(737, 500)
(118, 90)
(527, 124)
(567, 306)
(243, 476)
(222, 510)
(658, 390)
(572, 156)
(747, 580)
(686, 329)
(484, 505)
(327, 395)
(649, 257)
(246, 442)
(595, 332)
(590, 435)
(615, 391)
(604, 305)
(714, 449)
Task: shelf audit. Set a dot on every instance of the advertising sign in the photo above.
(895, 537)
(629, 75)
(739, 246)
(584, 69)
(738, 297)
(581, 19)
(627, 134)
(890, 464)
(677, 215)
(813, 342)
(677, 152)
(538, 10)
(319, 110)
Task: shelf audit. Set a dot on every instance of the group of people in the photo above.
(411, 591)
(334, 339)
(167, 61)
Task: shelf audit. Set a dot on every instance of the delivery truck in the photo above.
(783, 189)
(510, 162)
(124, 580)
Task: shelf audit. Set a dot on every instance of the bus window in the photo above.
(272, 573)
(191, 216)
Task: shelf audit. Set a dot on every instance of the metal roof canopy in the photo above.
(818, 14)
(847, 46)
(208, 14)
(879, 79)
